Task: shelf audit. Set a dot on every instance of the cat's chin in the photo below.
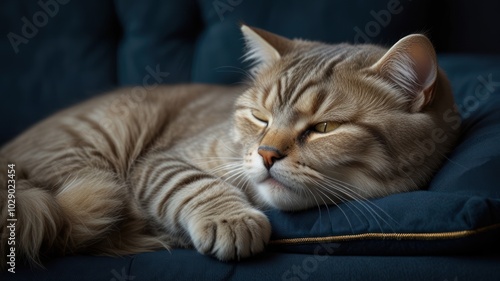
(274, 184)
(277, 195)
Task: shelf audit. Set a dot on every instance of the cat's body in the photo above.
(185, 165)
(98, 169)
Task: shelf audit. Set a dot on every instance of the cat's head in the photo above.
(323, 123)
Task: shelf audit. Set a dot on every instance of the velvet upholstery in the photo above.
(55, 53)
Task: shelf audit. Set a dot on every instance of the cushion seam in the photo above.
(387, 236)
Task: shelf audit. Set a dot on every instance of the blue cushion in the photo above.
(458, 214)
(189, 265)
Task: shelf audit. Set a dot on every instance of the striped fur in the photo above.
(195, 165)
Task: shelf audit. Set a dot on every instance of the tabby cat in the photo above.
(194, 165)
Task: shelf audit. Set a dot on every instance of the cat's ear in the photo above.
(411, 65)
(263, 47)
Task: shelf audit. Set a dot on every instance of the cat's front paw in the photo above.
(231, 236)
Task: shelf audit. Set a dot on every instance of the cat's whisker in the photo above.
(350, 202)
(371, 207)
(245, 82)
(218, 157)
(225, 166)
(223, 161)
(235, 176)
(243, 177)
(451, 161)
(221, 158)
(408, 176)
(227, 176)
(317, 204)
(322, 188)
(250, 78)
(228, 147)
(351, 187)
(234, 69)
(234, 171)
(331, 202)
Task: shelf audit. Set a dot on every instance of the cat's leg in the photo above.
(216, 216)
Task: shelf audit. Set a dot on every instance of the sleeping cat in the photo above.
(195, 165)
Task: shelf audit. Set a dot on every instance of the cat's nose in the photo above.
(269, 155)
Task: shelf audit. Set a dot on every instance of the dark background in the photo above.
(65, 51)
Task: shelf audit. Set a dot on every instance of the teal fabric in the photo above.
(188, 265)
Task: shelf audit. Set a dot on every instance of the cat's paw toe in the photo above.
(230, 237)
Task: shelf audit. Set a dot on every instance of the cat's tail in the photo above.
(85, 214)
(29, 219)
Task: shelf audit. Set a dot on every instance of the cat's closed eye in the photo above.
(260, 116)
